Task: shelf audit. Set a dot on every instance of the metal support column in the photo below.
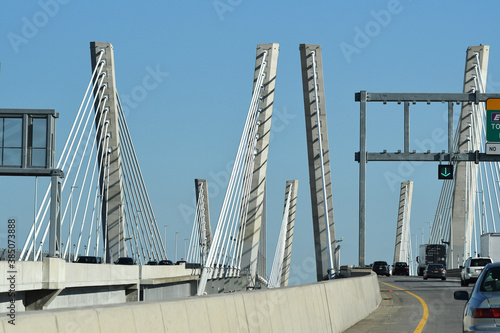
(362, 177)
(55, 217)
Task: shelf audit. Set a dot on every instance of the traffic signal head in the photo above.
(445, 171)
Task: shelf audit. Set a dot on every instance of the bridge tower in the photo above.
(466, 172)
(319, 158)
(204, 230)
(110, 174)
(401, 252)
(253, 258)
(285, 270)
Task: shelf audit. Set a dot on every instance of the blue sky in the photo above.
(189, 126)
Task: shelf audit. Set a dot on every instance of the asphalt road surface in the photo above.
(411, 304)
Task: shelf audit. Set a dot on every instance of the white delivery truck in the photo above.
(490, 246)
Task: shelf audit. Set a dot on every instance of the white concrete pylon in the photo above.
(113, 214)
(401, 249)
(256, 212)
(465, 187)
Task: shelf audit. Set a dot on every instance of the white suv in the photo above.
(472, 269)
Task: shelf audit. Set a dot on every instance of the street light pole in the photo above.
(71, 218)
(185, 239)
(165, 230)
(177, 232)
(422, 231)
(429, 231)
(416, 249)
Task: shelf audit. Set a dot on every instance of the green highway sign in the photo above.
(445, 171)
(493, 120)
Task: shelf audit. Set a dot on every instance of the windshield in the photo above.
(435, 267)
(480, 262)
(491, 280)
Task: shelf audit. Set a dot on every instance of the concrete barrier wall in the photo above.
(28, 275)
(331, 306)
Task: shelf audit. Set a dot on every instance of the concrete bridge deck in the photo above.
(55, 283)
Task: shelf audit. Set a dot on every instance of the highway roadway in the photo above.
(410, 304)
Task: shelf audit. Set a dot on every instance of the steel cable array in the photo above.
(482, 184)
(224, 256)
(81, 165)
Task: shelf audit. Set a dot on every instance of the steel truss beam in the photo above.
(363, 97)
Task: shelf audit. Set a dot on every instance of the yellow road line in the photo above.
(423, 321)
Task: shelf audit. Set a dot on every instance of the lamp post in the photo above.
(416, 253)
(336, 252)
(177, 232)
(185, 239)
(429, 231)
(71, 218)
(166, 252)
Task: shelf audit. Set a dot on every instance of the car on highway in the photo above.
(165, 262)
(472, 269)
(435, 271)
(482, 310)
(401, 268)
(381, 268)
(88, 260)
(125, 261)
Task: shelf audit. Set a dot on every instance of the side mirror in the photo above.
(460, 267)
(461, 295)
(417, 259)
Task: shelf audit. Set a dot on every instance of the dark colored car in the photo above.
(88, 260)
(381, 268)
(165, 262)
(152, 263)
(401, 268)
(435, 271)
(124, 261)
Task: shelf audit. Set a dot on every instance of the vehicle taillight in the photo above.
(468, 270)
(486, 313)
